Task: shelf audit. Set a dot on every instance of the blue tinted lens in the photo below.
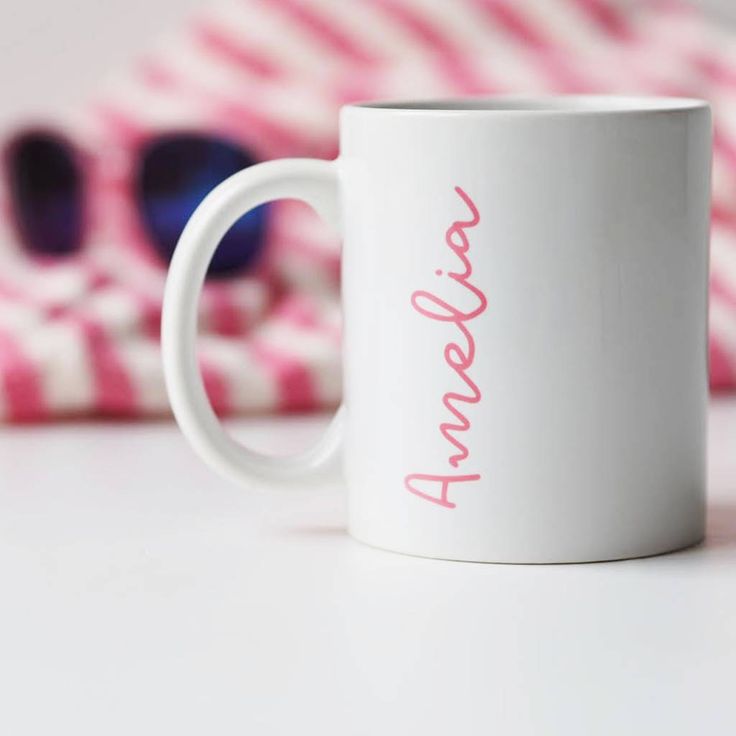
(176, 173)
(46, 193)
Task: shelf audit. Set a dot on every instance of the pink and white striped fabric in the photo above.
(80, 337)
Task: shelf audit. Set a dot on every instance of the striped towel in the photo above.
(80, 337)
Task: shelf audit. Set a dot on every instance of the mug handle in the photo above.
(310, 180)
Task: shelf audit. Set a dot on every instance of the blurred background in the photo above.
(54, 54)
(118, 117)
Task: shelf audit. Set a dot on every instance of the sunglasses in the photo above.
(170, 175)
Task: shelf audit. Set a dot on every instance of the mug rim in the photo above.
(534, 105)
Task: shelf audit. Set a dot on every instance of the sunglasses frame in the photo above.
(112, 171)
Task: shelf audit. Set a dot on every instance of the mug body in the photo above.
(525, 295)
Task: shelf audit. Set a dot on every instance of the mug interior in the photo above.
(575, 104)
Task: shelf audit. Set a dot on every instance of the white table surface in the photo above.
(140, 594)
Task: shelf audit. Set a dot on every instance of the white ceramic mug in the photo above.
(525, 304)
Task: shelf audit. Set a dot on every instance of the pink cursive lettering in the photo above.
(459, 356)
